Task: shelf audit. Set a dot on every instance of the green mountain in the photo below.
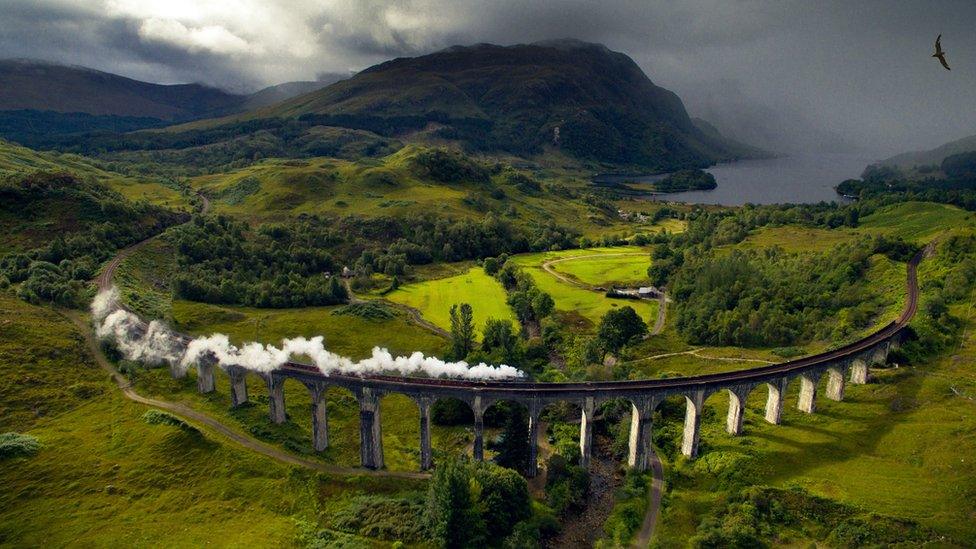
(580, 98)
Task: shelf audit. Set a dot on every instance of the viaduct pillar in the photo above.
(737, 407)
(808, 392)
(859, 372)
(641, 424)
(835, 383)
(478, 407)
(533, 466)
(320, 417)
(426, 456)
(586, 432)
(205, 374)
(276, 398)
(238, 385)
(692, 432)
(370, 430)
(774, 402)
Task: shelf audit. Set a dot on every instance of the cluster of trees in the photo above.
(481, 504)
(758, 514)
(529, 303)
(880, 184)
(751, 298)
(221, 261)
(450, 166)
(285, 264)
(97, 221)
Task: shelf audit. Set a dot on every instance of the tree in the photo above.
(504, 499)
(619, 327)
(462, 330)
(450, 514)
(513, 449)
(542, 305)
(499, 335)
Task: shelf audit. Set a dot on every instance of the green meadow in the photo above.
(434, 298)
(587, 304)
(617, 268)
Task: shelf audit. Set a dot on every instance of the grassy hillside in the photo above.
(16, 160)
(897, 447)
(395, 186)
(102, 469)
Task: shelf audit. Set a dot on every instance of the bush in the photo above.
(370, 310)
(159, 417)
(17, 445)
(383, 517)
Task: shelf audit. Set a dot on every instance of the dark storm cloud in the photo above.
(801, 72)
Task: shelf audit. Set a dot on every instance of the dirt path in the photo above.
(654, 504)
(662, 310)
(201, 419)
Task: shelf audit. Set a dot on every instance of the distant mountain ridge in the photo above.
(42, 86)
(931, 157)
(39, 99)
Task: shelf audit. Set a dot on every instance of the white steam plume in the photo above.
(156, 344)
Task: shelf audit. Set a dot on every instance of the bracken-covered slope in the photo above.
(584, 99)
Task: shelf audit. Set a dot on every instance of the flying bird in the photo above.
(939, 53)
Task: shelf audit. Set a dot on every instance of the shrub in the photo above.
(369, 310)
(159, 417)
(18, 445)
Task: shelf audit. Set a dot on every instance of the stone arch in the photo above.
(499, 411)
(572, 412)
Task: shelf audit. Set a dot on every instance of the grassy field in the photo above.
(102, 470)
(348, 335)
(587, 304)
(434, 298)
(606, 269)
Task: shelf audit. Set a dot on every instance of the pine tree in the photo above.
(462, 330)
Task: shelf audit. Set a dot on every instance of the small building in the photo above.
(346, 272)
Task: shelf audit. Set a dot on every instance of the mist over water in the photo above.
(154, 344)
(798, 178)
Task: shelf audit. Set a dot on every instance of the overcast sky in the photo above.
(860, 69)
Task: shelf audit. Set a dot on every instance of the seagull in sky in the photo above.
(939, 53)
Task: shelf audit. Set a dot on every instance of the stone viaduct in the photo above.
(847, 364)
